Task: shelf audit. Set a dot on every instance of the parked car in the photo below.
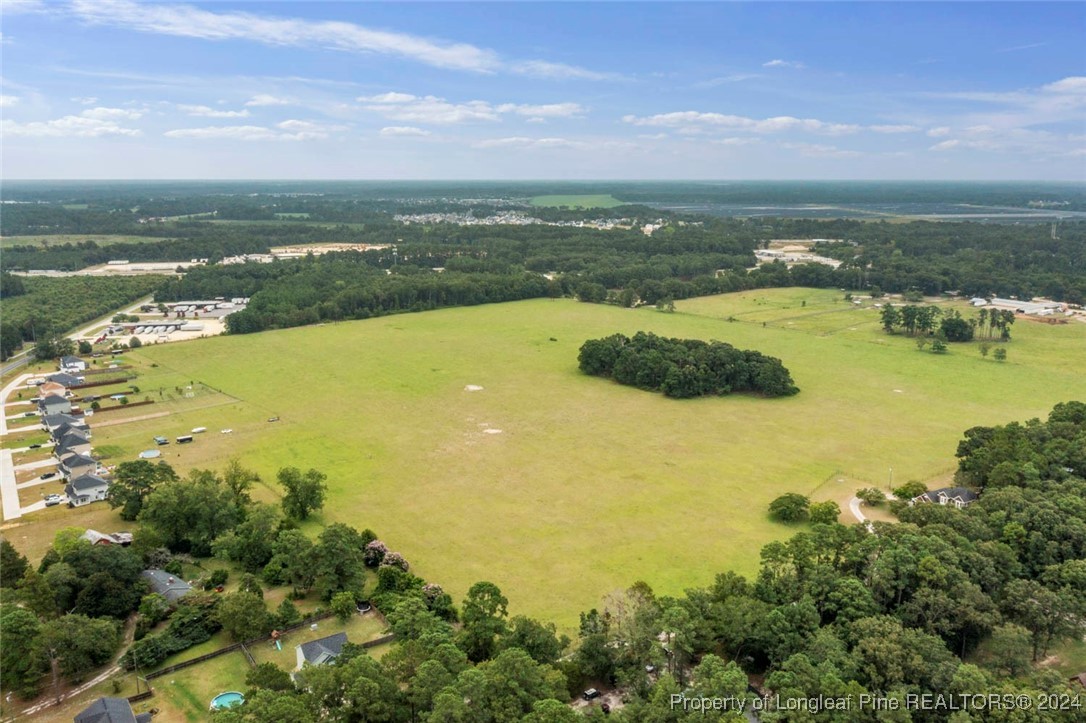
(49, 475)
(52, 500)
(590, 694)
(34, 446)
(273, 419)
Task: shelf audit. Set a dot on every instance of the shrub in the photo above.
(343, 605)
(395, 559)
(790, 507)
(871, 496)
(374, 553)
(824, 513)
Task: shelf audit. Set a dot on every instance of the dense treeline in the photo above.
(52, 306)
(684, 368)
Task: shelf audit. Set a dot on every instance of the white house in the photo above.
(72, 364)
(957, 496)
(86, 489)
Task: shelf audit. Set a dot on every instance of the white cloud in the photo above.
(529, 143)
(736, 141)
(264, 99)
(394, 131)
(778, 63)
(559, 71)
(288, 130)
(693, 121)
(389, 98)
(818, 150)
(726, 79)
(75, 126)
(431, 109)
(902, 128)
(193, 22)
(945, 145)
(939, 132)
(85, 100)
(112, 114)
(1074, 85)
(550, 110)
(209, 112)
(6, 101)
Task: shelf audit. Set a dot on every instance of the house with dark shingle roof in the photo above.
(165, 584)
(61, 430)
(71, 364)
(77, 465)
(54, 404)
(85, 489)
(957, 496)
(111, 710)
(65, 380)
(321, 651)
(52, 421)
(72, 443)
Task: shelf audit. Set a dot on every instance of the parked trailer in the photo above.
(184, 439)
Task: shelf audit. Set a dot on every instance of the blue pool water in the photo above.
(226, 700)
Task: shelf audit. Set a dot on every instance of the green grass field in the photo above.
(578, 201)
(590, 485)
(61, 239)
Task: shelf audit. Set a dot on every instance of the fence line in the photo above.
(233, 647)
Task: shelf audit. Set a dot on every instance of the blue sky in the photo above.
(125, 89)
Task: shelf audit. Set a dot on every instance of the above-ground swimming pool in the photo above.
(227, 700)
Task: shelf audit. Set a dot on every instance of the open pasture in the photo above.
(560, 487)
(74, 238)
(603, 200)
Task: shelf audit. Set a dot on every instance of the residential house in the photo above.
(49, 389)
(111, 710)
(321, 651)
(50, 422)
(77, 465)
(165, 584)
(65, 380)
(94, 537)
(72, 443)
(85, 489)
(54, 404)
(957, 496)
(58, 432)
(72, 364)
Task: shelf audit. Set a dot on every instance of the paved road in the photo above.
(26, 355)
(854, 507)
(9, 493)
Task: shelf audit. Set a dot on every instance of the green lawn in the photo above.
(578, 201)
(590, 485)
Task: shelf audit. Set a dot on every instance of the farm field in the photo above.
(578, 201)
(75, 238)
(589, 485)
